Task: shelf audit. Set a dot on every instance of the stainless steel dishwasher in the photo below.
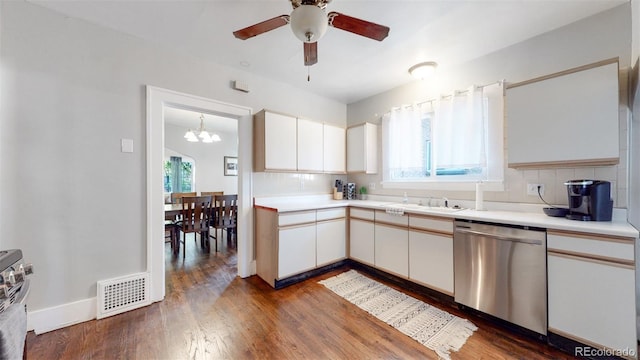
(502, 271)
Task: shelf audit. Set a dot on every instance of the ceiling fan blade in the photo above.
(310, 53)
(261, 27)
(358, 26)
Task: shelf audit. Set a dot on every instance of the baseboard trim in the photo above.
(57, 317)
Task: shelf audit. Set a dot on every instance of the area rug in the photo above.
(436, 329)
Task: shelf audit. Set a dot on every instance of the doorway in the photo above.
(157, 100)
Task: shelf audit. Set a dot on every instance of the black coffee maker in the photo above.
(589, 200)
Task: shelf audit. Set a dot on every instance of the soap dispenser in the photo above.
(405, 199)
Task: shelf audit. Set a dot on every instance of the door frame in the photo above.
(157, 98)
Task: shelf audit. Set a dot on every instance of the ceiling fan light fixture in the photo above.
(423, 69)
(309, 23)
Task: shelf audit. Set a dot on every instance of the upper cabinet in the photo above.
(285, 143)
(362, 150)
(310, 146)
(274, 142)
(335, 149)
(565, 119)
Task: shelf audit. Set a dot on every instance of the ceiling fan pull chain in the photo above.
(308, 74)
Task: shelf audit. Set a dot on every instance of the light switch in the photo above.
(126, 145)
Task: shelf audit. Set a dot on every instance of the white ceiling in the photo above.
(350, 67)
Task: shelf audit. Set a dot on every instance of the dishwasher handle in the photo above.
(499, 237)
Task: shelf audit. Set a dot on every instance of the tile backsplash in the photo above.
(281, 184)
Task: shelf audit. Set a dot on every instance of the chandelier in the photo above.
(203, 134)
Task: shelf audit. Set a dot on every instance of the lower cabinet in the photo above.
(591, 289)
(392, 249)
(292, 243)
(331, 241)
(431, 260)
(296, 250)
(361, 235)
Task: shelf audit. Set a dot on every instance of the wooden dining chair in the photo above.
(211, 193)
(176, 198)
(225, 218)
(196, 217)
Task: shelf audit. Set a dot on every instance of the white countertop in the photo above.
(617, 227)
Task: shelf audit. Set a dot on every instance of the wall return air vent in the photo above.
(122, 294)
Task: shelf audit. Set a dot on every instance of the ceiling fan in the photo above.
(309, 22)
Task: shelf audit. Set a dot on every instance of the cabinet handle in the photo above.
(625, 264)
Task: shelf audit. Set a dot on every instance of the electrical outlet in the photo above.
(532, 189)
(372, 186)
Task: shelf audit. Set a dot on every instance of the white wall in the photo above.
(209, 158)
(600, 37)
(70, 91)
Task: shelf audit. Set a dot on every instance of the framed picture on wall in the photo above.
(230, 166)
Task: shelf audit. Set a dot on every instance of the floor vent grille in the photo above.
(122, 294)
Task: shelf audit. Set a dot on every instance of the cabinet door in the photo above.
(280, 142)
(331, 243)
(310, 146)
(392, 249)
(361, 241)
(335, 147)
(296, 250)
(362, 150)
(592, 300)
(431, 260)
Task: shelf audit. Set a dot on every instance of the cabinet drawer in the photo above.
(296, 218)
(599, 246)
(329, 214)
(441, 225)
(402, 220)
(365, 214)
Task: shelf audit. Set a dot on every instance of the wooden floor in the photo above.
(210, 313)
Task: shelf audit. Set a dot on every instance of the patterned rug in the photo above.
(436, 329)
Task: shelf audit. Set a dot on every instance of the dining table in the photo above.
(171, 211)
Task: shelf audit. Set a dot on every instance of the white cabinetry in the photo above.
(275, 145)
(580, 104)
(335, 144)
(392, 243)
(310, 146)
(292, 243)
(591, 286)
(431, 252)
(362, 150)
(296, 249)
(286, 143)
(331, 241)
(361, 235)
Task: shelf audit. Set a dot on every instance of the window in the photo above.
(456, 139)
(178, 175)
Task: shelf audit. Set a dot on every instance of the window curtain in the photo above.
(459, 133)
(176, 173)
(404, 143)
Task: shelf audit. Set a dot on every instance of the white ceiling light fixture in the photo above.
(309, 23)
(203, 134)
(423, 69)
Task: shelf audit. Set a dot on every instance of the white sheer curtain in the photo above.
(459, 132)
(403, 144)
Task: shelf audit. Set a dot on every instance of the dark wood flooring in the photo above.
(210, 313)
